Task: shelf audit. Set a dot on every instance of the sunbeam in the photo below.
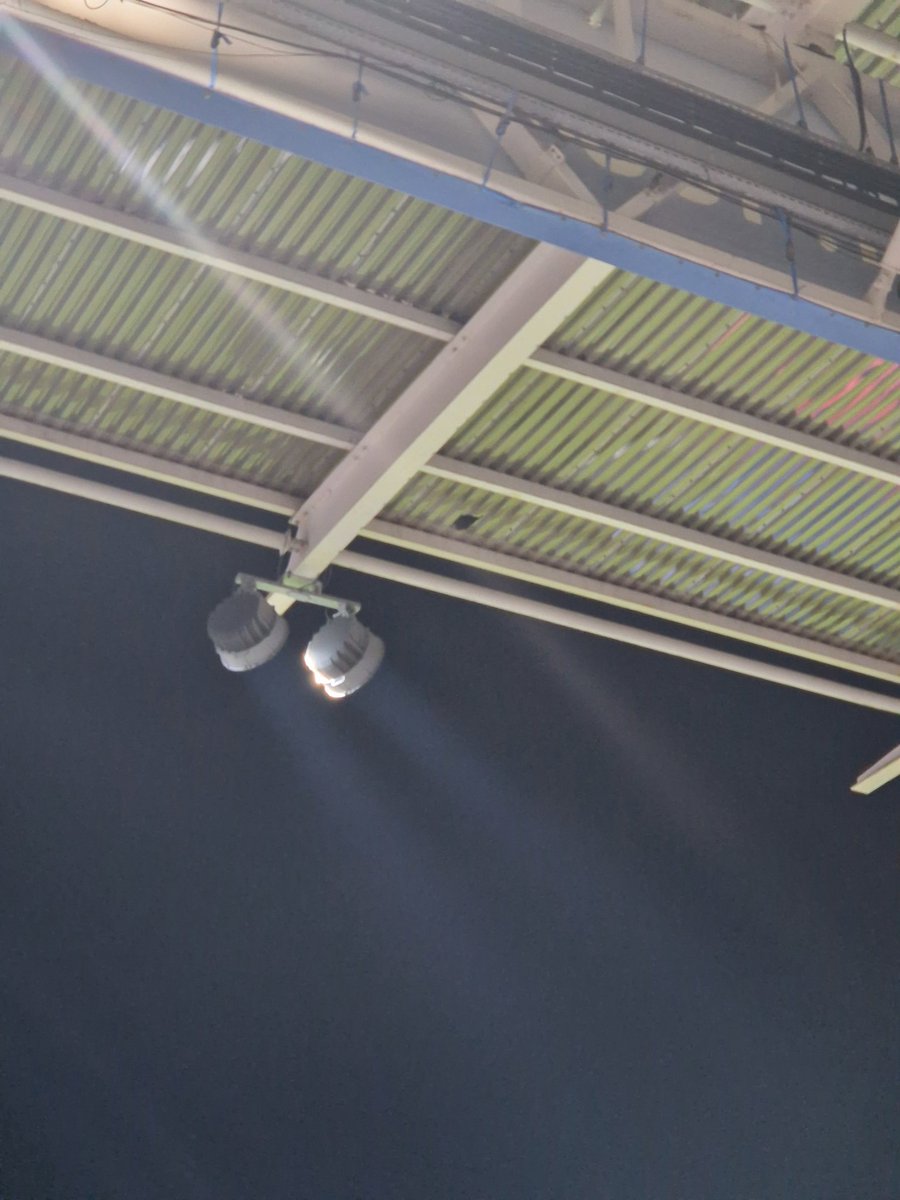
(295, 346)
(681, 806)
(409, 889)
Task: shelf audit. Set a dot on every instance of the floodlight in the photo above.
(246, 631)
(343, 655)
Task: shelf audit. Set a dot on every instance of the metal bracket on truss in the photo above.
(298, 590)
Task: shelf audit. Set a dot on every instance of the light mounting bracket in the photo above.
(298, 590)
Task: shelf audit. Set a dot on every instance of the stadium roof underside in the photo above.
(584, 370)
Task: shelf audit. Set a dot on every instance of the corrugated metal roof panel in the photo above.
(539, 535)
(118, 416)
(599, 445)
(136, 304)
(666, 336)
(161, 166)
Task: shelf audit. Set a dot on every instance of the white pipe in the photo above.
(599, 627)
(873, 42)
(882, 772)
(148, 506)
(456, 588)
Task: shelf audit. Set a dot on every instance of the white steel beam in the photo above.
(731, 420)
(150, 506)
(454, 471)
(190, 245)
(832, 15)
(877, 776)
(535, 299)
(149, 466)
(599, 513)
(402, 315)
(293, 425)
(541, 575)
(461, 589)
(97, 366)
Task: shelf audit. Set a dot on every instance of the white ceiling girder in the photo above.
(379, 308)
(873, 41)
(611, 516)
(441, 467)
(97, 366)
(461, 589)
(150, 506)
(195, 248)
(590, 375)
(521, 314)
(728, 419)
(877, 776)
(832, 15)
(134, 462)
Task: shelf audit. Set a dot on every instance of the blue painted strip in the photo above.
(148, 84)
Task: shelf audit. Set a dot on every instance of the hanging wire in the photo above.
(858, 96)
(789, 252)
(887, 121)
(359, 90)
(793, 77)
(643, 52)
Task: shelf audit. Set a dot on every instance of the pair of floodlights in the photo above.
(248, 630)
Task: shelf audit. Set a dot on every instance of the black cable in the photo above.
(858, 96)
(887, 121)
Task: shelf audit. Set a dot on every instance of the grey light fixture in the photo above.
(343, 655)
(247, 632)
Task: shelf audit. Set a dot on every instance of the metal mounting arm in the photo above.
(299, 590)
